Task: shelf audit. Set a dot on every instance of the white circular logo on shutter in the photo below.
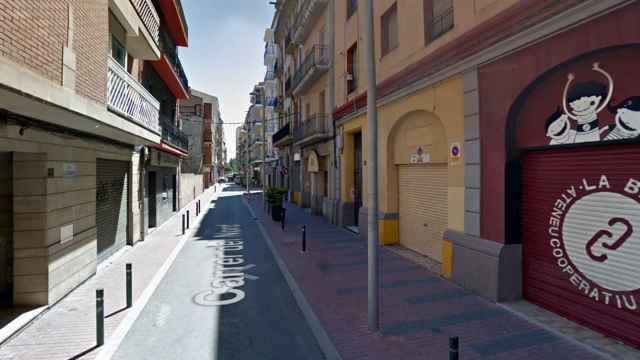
(600, 233)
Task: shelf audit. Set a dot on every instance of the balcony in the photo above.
(315, 64)
(170, 68)
(172, 135)
(306, 18)
(270, 54)
(283, 136)
(175, 20)
(289, 44)
(314, 129)
(127, 98)
(141, 23)
(270, 75)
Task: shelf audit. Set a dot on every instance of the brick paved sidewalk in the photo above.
(419, 310)
(67, 330)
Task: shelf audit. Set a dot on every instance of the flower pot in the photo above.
(276, 213)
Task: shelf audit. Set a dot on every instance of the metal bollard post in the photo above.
(187, 219)
(284, 212)
(304, 238)
(100, 317)
(129, 285)
(453, 348)
(183, 224)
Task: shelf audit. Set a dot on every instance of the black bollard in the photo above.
(187, 219)
(284, 212)
(183, 224)
(129, 285)
(304, 238)
(100, 317)
(453, 348)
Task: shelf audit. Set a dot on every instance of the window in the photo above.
(352, 68)
(438, 18)
(118, 52)
(352, 6)
(389, 33)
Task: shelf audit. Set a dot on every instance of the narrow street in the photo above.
(183, 319)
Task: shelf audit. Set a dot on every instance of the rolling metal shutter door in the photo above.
(423, 207)
(112, 199)
(581, 236)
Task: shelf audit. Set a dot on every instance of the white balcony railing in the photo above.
(129, 99)
(149, 17)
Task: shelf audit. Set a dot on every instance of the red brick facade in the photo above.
(33, 34)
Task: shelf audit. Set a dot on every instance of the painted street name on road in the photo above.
(228, 272)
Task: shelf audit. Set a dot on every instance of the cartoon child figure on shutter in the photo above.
(627, 115)
(558, 128)
(586, 100)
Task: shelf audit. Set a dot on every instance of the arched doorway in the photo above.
(574, 157)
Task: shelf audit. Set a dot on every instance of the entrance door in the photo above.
(423, 207)
(580, 230)
(357, 176)
(174, 187)
(6, 229)
(112, 206)
(152, 193)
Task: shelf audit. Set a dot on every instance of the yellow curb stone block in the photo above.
(447, 257)
(388, 231)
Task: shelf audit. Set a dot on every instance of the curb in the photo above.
(321, 335)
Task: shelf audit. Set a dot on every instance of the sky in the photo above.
(225, 54)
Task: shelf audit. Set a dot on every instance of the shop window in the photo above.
(352, 6)
(352, 68)
(438, 18)
(389, 33)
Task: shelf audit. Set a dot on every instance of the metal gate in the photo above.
(580, 231)
(423, 207)
(112, 206)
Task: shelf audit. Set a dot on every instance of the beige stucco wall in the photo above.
(432, 118)
(191, 185)
(467, 14)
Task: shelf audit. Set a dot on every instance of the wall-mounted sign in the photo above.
(420, 156)
(313, 163)
(296, 156)
(455, 152)
(69, 169)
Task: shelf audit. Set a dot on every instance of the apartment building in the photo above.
(219, 147)
(304, 32)
(167, 82)
(503, 199)
(78, 114)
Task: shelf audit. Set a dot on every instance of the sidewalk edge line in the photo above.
(113, 342)
(321, 335)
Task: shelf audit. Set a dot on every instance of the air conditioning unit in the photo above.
(348, 76)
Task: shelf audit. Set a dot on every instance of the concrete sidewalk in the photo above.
(67, 330)
(419, 309)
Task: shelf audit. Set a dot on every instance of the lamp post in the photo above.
(372, 169)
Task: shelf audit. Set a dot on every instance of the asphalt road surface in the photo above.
(223, 298)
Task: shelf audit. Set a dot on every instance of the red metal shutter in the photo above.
(581, 235)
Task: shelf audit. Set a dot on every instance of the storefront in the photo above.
(161, 197)
(421, 179)
(112, 206)
(566, 190)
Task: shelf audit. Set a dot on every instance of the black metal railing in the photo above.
(315, 124)
(317, 56)
(282, 133)
(168, 47)
(442, 23)
(172, 134)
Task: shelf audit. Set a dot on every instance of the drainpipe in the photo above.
(332, 105)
